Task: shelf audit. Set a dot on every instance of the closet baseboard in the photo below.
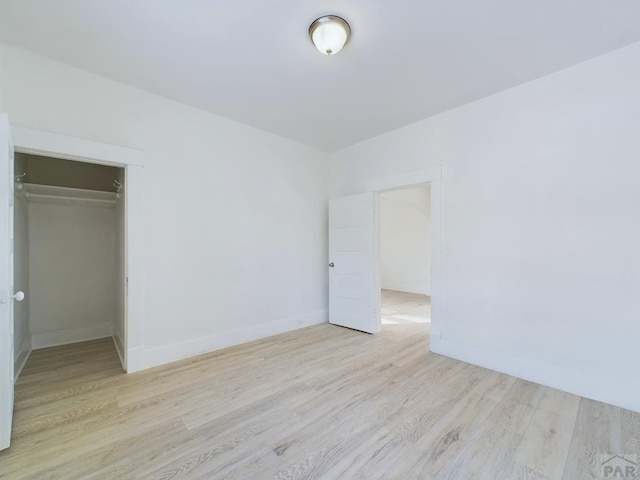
(71, 335)
(21, 361)
(120, 350)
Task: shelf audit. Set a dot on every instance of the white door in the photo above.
(6, 283)
(354, 282)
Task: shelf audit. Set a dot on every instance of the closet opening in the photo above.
(69, 255)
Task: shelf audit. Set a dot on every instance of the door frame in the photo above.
(37, 142)
(433, 178)
(7, 340)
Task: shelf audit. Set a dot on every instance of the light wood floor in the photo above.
(405, 307)
(319, 403)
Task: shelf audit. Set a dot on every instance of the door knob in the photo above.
(332, 264)
(19, 296)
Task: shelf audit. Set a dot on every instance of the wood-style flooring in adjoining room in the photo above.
(404, 307)
(323, 402)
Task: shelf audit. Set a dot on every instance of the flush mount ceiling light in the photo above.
(329, 34)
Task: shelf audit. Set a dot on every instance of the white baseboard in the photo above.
(141, 358)
(70, 335)
(21, 360)
(135, 359)
(551, 376)
(409, 288)
(117, 341)
(434, 340)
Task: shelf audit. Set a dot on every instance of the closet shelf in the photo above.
(32, 192)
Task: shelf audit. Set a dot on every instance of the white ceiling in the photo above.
(252, 61)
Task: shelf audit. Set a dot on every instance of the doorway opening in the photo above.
(69, 254)
(405, 255)
(355, 285)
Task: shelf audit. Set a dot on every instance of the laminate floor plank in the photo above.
(601, 432)
(545, 445)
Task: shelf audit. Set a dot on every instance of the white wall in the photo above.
(72, 277)
(541, 201)
(1, 75)
(405, 260)
(235, 217)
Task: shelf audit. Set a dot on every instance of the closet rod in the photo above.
(59, 197)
